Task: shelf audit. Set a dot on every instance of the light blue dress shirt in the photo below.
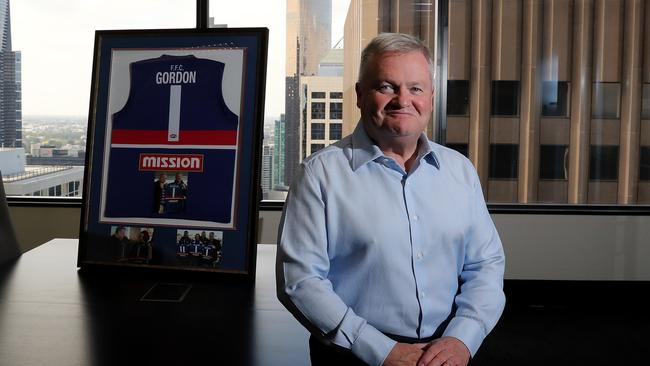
(366, 248)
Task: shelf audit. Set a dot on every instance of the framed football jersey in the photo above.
(174, 145)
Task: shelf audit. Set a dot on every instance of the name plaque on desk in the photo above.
(173, 151)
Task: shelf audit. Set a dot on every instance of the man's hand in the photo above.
(404, 354)
(445, 351)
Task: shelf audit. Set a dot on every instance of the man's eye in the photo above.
(417, 90)
(386, 88)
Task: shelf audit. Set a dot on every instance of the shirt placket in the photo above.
(417, 250)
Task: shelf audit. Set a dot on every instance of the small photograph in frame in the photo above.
(174, 140)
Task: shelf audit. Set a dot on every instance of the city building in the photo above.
(308, 39)
(38, 180)
(550, 100)
(10, 84)
(323, 107)
(266, 180)
(279, 137)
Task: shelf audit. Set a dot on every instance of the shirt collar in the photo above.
(364, 150)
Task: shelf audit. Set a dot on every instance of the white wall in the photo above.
(542, 247)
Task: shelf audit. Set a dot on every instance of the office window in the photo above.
(73, 189)
(555, 99)
(54, 191)
(645, 102)
(458, 98)
(336, 95)
(606, 100)
(336, 131)
(644, 163)
(46, 113)
(317, 131)
(318, 95)
(336, 110)
(553, 160)
(461, 148)
(316, 147)
(504, 159)
(505, 98)
(603, 162)
(318, 110)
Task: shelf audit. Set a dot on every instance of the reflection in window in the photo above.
(317, 131)
(553, 162)
(318, 95)
(504, 159)
(336, 110)
(318, 110)
(505, 98)
(458, 98)
(555, 99)
(316, 147)
(645, 102)
(461, 148)
(644, 162)
(606, 100)
(603, 162)
(336, 95)
(336, 131)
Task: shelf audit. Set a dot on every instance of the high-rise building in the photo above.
(267, 170)
(323, 107)
(549, 99)
(10, 84)
(308, 33)
(279, 137)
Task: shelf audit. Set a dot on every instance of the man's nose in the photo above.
(402, 97)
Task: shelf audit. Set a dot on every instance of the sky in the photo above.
(56, 41)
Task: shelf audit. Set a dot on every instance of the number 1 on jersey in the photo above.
(174, 113)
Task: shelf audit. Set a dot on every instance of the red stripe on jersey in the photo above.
(186, 137)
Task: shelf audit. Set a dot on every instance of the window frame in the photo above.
(493, 208)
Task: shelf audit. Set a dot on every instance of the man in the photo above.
(176, 191)
(119, 244)
(185, 239)
(387, 253)
(159, 194)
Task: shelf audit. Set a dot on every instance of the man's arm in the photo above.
(302, 269)
(481, 299)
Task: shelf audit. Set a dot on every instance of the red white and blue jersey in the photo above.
(175, 120)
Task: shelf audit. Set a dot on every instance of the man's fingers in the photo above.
(434, 355)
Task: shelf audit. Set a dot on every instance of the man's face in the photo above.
(120, 234)
(163, 178)
(396, 95)
(178, 177)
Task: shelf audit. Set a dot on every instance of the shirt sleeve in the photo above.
(302, 267)
(481, 300)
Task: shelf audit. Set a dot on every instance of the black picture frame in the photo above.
(174, 148)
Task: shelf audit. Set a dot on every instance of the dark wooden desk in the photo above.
(50, 314)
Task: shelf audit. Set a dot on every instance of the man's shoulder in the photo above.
(336, 153)
(455, 163)
(448, 155)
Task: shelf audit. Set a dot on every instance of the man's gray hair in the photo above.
(398, 43)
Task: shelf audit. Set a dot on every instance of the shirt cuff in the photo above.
(372, 346)
(467, 330)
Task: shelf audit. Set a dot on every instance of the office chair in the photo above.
(9, 248)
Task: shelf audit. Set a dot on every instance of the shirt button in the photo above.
(421, 293)
(420, 255)
(416, 218)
